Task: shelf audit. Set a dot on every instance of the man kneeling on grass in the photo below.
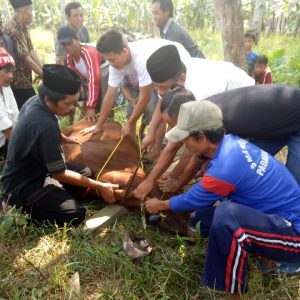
(260, 200)
(35, 165)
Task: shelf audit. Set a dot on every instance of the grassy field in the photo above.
(37, 263)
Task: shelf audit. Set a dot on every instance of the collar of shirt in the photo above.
(167, 26)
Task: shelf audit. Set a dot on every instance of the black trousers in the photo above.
(60, 204)
(3, 151)
(22, 95)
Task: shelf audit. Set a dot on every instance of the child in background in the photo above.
(250, 39)
(262, 73)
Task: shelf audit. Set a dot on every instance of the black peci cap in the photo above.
(164, 63)
(61, 79)
(20, 3)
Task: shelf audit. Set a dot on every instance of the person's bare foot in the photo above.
(268, 263)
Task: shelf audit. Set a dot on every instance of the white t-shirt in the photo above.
(140, 52)
(205, 78)
(81, 67)
(8, 112)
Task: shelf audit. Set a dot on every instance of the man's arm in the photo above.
(74, 178)
(139, 108)
(35, 58)
(165, 159)
(33, 65)
(7, 132)
(106, 108)
(195, 198)
(60, 60)
(189, 167)
(127, 94)
(154, 124)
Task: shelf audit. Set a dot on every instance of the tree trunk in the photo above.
(229, 15)
(258, 16)
(62, 12)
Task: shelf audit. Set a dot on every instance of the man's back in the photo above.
(207, 77)
(268, 112)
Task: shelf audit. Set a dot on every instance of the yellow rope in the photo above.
(108, 160)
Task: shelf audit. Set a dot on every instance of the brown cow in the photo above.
(95, 150)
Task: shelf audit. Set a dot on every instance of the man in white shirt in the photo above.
(202, 77)
(8, 106)
(128, 59)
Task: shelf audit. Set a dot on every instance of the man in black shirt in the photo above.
(269, 116)
(35, 164)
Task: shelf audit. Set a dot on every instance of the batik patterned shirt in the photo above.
(22, 47)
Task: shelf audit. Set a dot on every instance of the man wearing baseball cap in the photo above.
(8, 106)
(260, 199)
(36, 176)
(85, 61)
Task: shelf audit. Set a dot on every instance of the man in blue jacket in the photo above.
(260, 199)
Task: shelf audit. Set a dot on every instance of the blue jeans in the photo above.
(293, 157)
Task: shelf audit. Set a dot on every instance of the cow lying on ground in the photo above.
(94, 151)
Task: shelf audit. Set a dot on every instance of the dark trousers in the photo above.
(235, 231)
(22, 95)
(3, 151)
(60, 204)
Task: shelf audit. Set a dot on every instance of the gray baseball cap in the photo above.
(195, 116)
(66, 35)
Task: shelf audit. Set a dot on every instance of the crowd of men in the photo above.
(228, 130)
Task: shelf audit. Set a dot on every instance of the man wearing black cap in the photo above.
(35, 163)
(25, 56)
(202, 77)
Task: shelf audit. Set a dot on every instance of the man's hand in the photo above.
(154, 205)
(128, 129)
(107, 191)
(148, 141)
(5, 207)
(90, 114)
(143, 189)
(91, 130)
(132, 102)
(72, 140)
(168, 184)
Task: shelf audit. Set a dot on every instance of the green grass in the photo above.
(36, 263)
